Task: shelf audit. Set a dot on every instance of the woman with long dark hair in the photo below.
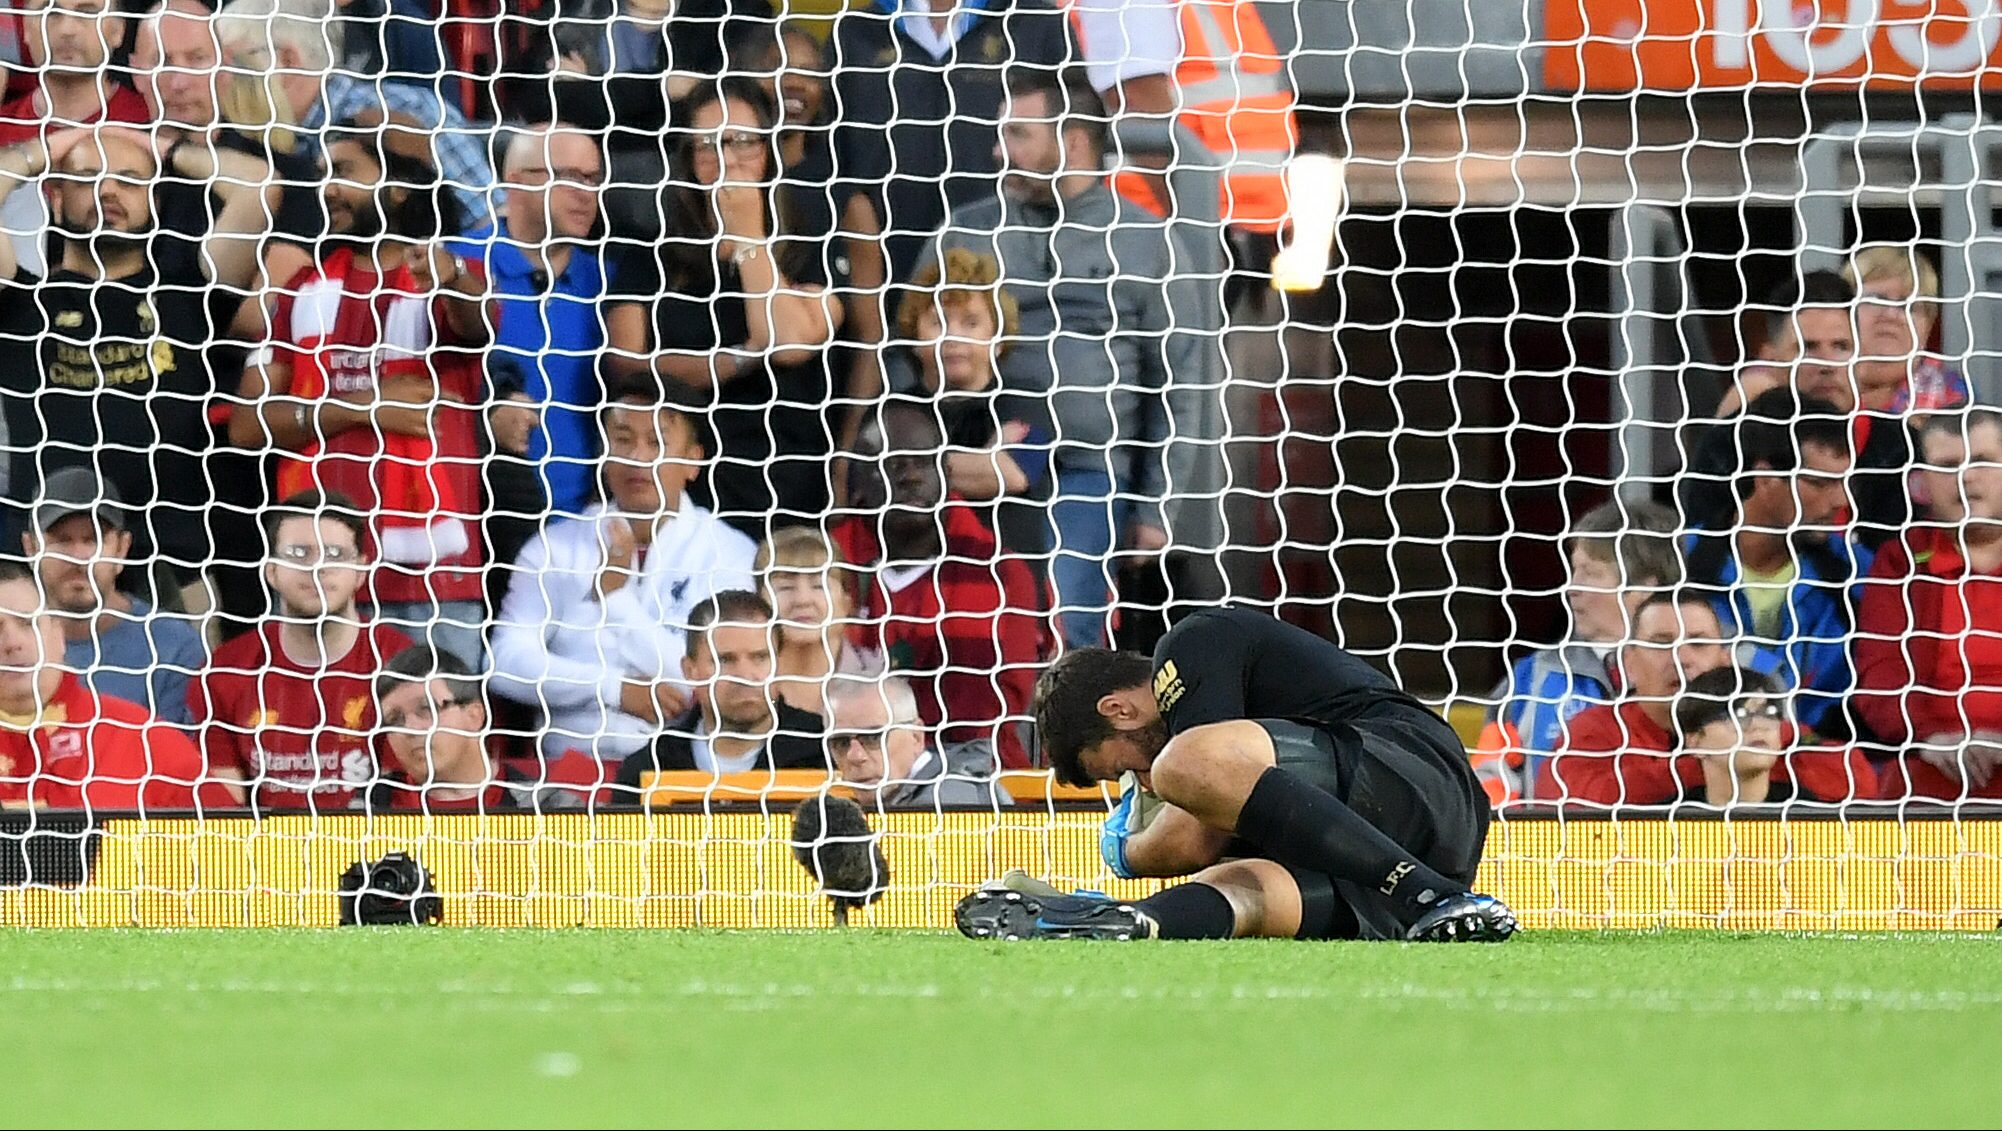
(790, 63)
(735, 303)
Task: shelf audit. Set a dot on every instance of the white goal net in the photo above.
(556, 438)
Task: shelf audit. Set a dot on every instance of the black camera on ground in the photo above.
(832, 840)
(393, 890)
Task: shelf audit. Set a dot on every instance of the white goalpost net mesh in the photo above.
(557, 438)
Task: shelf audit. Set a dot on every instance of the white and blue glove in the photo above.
(1119, 827)
(1134, 812)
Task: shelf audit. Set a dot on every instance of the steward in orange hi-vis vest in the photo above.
(1232, 91)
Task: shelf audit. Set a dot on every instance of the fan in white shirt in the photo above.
(592, 630)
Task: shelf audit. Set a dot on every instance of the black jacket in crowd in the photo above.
(923, 129)
(796, 744)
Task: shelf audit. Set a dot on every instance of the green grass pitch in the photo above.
(399, 1027)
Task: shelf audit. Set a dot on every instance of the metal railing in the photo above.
(1956, 152)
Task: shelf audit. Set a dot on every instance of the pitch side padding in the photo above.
(734, 869)
(46, 848)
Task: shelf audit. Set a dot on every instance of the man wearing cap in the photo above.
(64, 747)
(118, 644)
(593, 627)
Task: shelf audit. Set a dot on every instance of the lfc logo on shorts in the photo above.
(1403, 869)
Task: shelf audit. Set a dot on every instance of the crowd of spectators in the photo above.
(394, 443)
(1815, 622)
(712, 393)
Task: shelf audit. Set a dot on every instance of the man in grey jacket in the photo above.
(1090, 271)
(878, 745)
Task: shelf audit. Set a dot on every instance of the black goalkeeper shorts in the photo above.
(1404, 771)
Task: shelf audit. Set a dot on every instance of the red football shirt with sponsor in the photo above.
(302, 737)
(86, 751)
(343, 330)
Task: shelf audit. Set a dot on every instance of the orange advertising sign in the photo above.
(1696, 44)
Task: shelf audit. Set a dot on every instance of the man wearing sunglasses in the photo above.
(878, 745)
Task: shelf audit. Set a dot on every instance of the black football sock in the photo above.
(1298, 823)
(1190, 911)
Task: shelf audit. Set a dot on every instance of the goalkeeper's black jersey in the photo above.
(1233, 663)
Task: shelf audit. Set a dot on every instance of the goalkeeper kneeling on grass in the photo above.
(1304, 794)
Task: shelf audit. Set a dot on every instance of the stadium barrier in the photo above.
(719, 868)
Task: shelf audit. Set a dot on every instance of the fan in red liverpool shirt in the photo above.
(1631, 753)
(64, 747)
(960, 620)
(374, 372)
(289, 710)
(1929, 627)
(72, 41)
(1613, 753)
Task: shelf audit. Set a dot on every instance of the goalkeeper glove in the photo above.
(1128, 817)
